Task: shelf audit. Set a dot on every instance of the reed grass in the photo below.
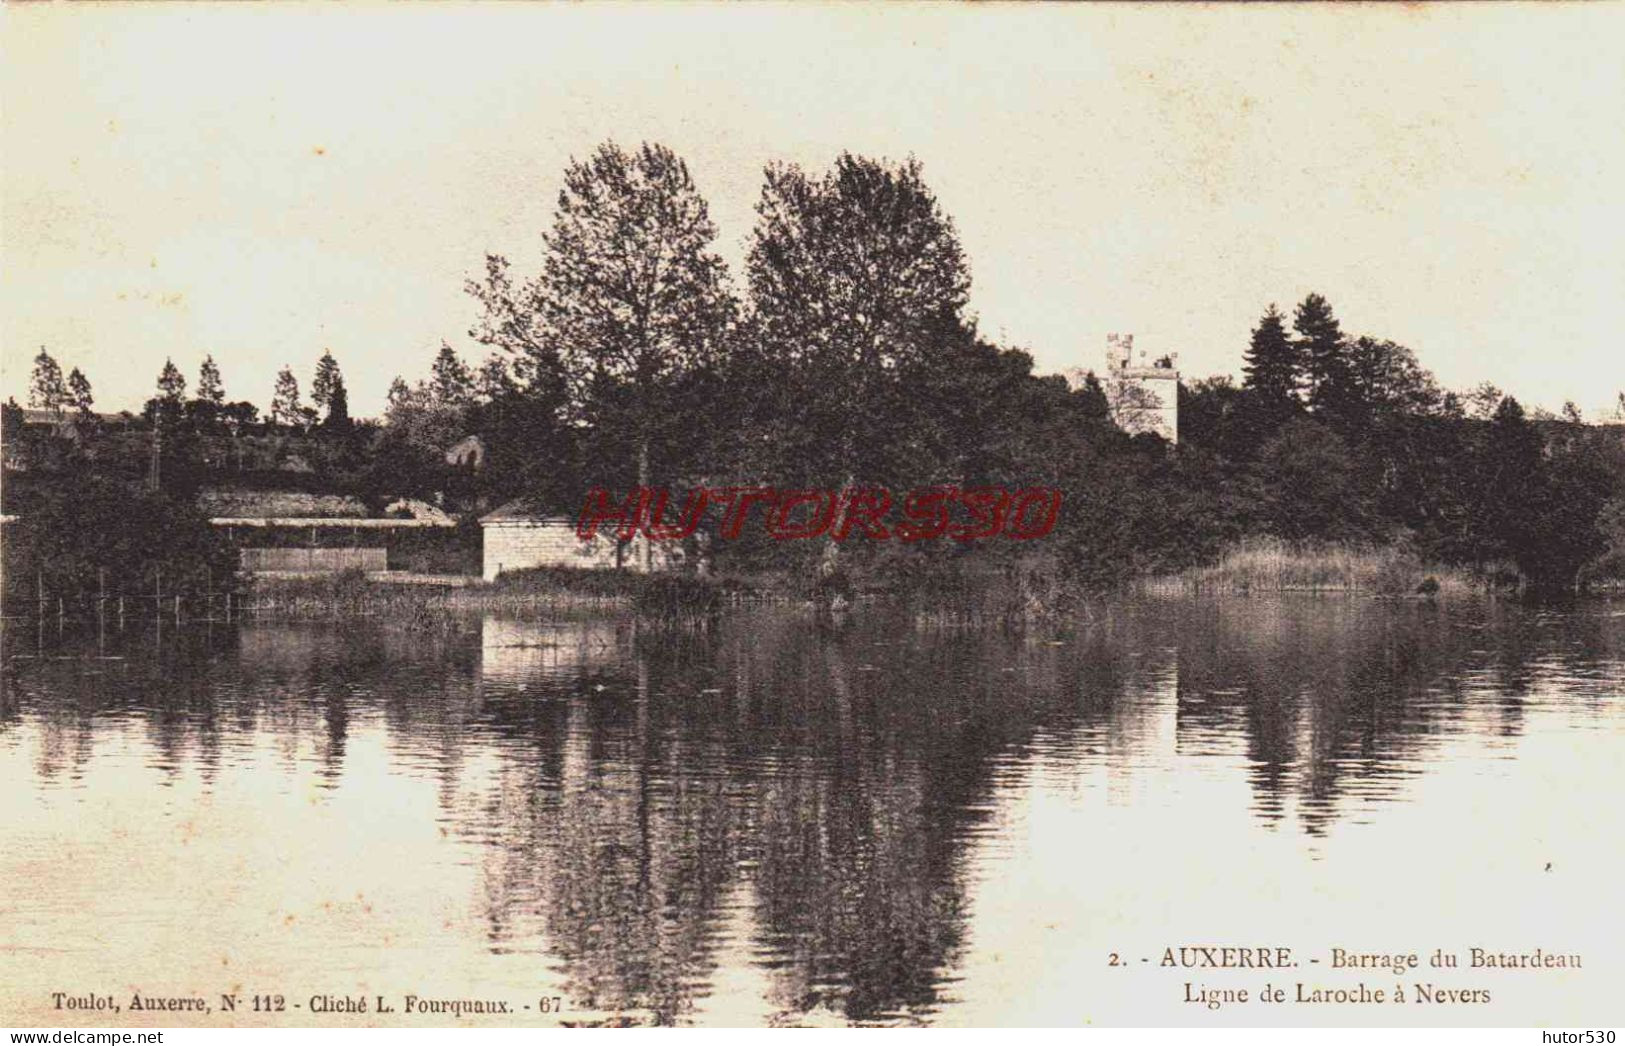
(1273, 565)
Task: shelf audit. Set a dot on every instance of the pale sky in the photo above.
(267, 181)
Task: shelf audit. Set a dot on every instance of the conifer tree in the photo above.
(171, 385)
(327, 391)
(210, 389)
(450, 381)
(46, 389)
(1272, 367)
(1320, 342)
(79, 395)
(338, 408)
(399, 395)
(285, 406)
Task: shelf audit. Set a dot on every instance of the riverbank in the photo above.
(981, 594)
(1253, 567)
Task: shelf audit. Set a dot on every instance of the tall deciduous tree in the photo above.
(513, 324)
(632, 304)
(46, 389)
(856, 277)
(495, 380)
(1386, 381)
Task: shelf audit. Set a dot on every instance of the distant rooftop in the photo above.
(520, 511)
(36, 416)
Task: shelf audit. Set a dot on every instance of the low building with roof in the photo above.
(291, 532)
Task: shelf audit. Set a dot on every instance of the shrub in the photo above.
(100, 531)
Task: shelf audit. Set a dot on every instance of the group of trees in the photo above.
(115, 505)
(185, 439)
(846, 357)
(521, 434)
(1351, 438)
(848, 360)
(48, 390)
(208, 409)
(329, 396)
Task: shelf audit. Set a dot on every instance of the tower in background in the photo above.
(1143, 394)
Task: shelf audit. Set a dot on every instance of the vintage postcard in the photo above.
(811, 514)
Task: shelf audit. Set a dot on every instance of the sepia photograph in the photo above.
(995, 515)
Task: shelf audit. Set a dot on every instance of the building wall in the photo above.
(312, 560)
(1142, 402)
(519, 544)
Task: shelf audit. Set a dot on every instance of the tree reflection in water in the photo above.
(806, 798)
(840, 774)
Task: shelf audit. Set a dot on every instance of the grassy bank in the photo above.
(1270, 565)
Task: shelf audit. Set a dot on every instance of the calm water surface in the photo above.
(781, 821)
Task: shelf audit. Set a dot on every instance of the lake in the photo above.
(787, 820)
